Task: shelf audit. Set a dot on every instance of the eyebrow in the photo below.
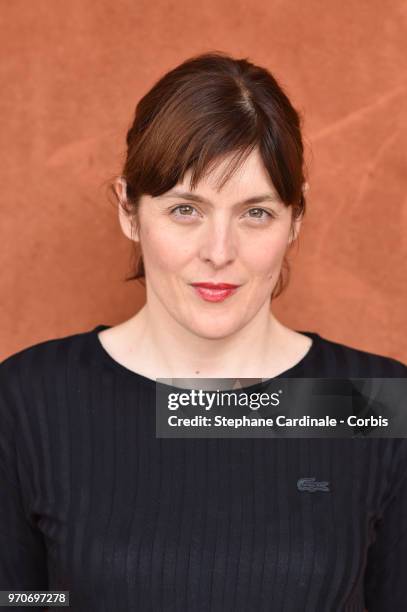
(193, 197)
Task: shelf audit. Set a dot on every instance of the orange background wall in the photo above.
(71, 75)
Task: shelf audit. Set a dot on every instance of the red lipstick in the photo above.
(214, 292)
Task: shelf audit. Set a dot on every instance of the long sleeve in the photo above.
(386, 572)
(23, 563)
(93, 502)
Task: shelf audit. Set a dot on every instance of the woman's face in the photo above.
(218, 239)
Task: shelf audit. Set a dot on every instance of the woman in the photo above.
(92, 502)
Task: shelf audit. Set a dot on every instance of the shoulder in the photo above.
(38, 375)
(39, 359)
(345, 360)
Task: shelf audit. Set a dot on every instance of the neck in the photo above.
(175, 352)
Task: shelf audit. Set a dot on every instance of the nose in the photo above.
(218, 244)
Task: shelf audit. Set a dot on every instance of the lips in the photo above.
(215, 285)
(214, 292)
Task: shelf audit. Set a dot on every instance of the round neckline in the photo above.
(105, 357)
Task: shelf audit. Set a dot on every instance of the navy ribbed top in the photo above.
(93, 503)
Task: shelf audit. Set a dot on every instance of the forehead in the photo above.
(250, 178)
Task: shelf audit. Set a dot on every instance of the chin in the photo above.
(211, 329)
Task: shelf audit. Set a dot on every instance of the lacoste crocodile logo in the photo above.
(312, 485)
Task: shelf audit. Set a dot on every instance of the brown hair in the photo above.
(210, 106)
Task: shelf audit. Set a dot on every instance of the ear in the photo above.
(296, 223)
(295, 230)
(126, 219)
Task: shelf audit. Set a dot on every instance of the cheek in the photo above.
(266, 256)
(166, 254)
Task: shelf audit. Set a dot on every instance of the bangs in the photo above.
(172, 145)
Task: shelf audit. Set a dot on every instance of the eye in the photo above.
(183, 207)
(267, 215)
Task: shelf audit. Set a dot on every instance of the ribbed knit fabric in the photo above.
(93, 503)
